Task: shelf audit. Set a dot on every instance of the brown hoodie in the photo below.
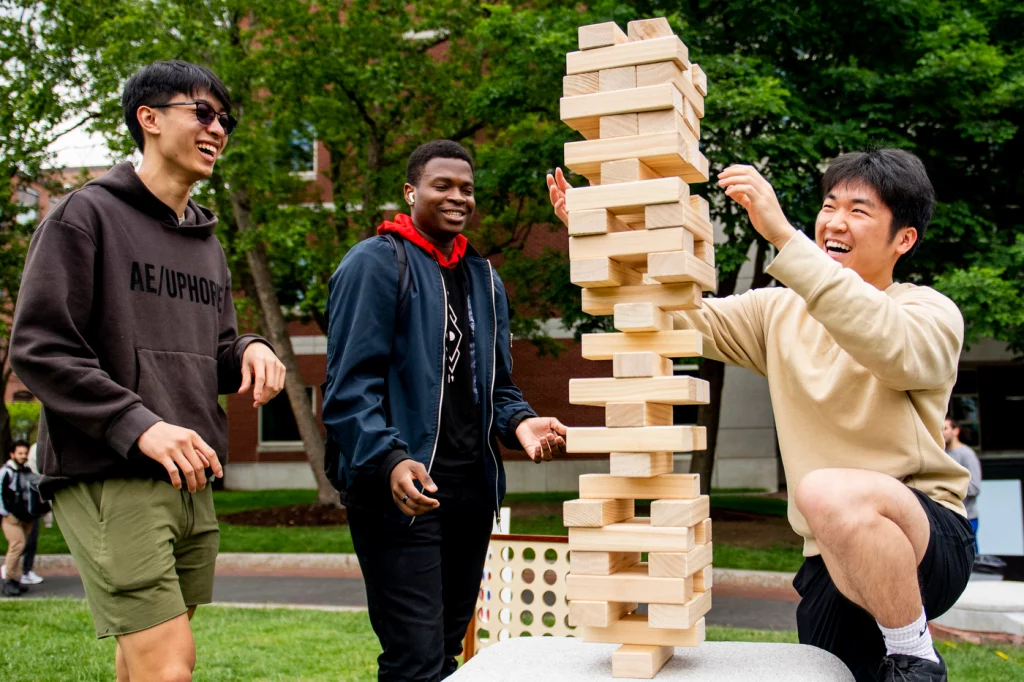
(124, 319)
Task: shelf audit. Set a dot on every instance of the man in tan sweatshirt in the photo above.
(860, 371)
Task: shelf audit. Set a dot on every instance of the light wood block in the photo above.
(634, 535)
(629, 197)
(678, 296)
(630, 584)
(640, 317)
(618, 415)
(681, 266)
(602, 272)
(669, 72)
(668, 487)
(700, 79)
(670, 48)
(619, 125)
(631, 247)
(645, 29)
(600, 35)
(679, 616)
(594, 221)
(701, 531)
(679, 564)
(627, 439)
(637, 464)
(667, 390)
(621, 78)
(601, 563)
(702, 579)
(680, 512)
(633, 629)
(626, 170)
(580, 84)
(640, 661)
(678, 343)
(701, 206)
(639, 365)
(595, 513)
(678, 214)
(668, 154)
(666, 121)
(705, 251)
(598, 614)
(581, 112)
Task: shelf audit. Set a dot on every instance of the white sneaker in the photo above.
(3, 572)
(31, 578)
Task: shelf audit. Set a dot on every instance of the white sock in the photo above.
(910, 640)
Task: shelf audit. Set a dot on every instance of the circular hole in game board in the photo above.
(503, 635)
(571, 627)
(483, 614)
(550, 598)
(507, 574)
(549, 619)
(526, 634)
(529, 555)
(526, 617)
(527, 596)
(483, 635)
(506, 595)
(505, 616)
(527, 575)
(485, 594)
(487, 573)
(550, 556)
(550, 577)
(508, 554)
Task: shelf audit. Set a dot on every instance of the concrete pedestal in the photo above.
(988, 606)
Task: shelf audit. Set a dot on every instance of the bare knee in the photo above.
(818, 496)
(174, 673)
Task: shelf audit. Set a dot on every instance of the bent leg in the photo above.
(163, 653)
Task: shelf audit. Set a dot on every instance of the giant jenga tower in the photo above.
(640, 246)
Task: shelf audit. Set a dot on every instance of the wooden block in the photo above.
(600, 35)
(637, 464)
(679, 564)
(701, 206)
(678, 214)
(640, 661)
(601, 272)
(669, 48)
(680, 512)
(621, 78)
(667, 390)
(665, 121)
(643, 364)
(705, 251)
(668, 487)
(645, 29)
(678, 296)
(594, 221)
(601, 563)
(680, 266)
(634, 535)
(669, 72)
(627, 439)
(618, 415)
(641, 317)
(631, 247)
(626, 197)
(700, 80)
(630, 584)
(679, 616)
(668, 154)
(580, 84)
(598, 614)
(626, 170)
(679, 343)
(595, 513)
(701, 531)
(619, 125)
(581, 111)
(633, 629)
(702, 579)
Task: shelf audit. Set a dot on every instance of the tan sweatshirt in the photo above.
(859, 378)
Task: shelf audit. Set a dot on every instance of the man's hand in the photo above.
(557, 187)
(263, 372)
(541, 437)
(745, 186)
(180, 449)
(403, 491)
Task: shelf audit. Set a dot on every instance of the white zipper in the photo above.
(490, 424)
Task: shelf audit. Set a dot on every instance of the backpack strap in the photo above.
(404, 279)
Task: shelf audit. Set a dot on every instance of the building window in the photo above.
(299, 154)
(277, 422)
(988, 400)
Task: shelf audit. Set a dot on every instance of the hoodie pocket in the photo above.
(181, 388)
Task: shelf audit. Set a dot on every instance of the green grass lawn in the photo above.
(53, 639)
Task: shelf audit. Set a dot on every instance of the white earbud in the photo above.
(412, 198)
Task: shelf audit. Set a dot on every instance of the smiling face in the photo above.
(175, 134)
(854, 229)
(444, 201)
(20, 455)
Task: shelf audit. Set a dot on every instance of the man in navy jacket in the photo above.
(418, 391)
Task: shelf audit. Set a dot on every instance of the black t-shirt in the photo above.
(459, 441)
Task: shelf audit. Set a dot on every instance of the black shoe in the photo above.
(13, 588)
(902, 668)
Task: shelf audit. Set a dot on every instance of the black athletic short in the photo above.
(828, 620)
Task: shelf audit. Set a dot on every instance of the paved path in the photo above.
(741, 609)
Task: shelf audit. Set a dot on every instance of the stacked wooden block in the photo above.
(640, 246)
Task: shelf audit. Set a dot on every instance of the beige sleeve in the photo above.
(910, 341)
(733, 328)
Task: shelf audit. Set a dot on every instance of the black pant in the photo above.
(828, 620)
(28, 557)
(422, 580)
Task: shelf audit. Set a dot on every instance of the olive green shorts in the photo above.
(145, 550)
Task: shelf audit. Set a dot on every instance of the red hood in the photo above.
(403, 226)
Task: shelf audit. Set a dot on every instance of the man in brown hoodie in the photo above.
(125, 330)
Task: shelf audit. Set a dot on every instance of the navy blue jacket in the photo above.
(382, 397)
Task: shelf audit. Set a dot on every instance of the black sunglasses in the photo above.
(205, 114)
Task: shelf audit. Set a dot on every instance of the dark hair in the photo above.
(158, 82)
(19, 444)
(438, 149)
(900, 180)
(953, 424)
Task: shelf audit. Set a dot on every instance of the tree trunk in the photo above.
(274, 323)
